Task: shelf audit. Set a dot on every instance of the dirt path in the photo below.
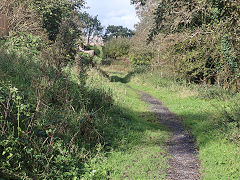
(184, 164)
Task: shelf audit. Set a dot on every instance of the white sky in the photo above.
(113, 12)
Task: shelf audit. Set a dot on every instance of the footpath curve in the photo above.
(184, 164)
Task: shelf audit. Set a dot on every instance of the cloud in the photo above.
(127, 20)
(113, 12)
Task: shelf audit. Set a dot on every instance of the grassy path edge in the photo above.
(220, 158)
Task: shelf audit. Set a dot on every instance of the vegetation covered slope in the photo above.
(48, 115)
(197, 41)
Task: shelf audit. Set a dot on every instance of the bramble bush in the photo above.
(47, 127)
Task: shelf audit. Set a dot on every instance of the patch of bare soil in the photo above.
(184, 164)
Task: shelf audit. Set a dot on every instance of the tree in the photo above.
(54, 12)
(141, 2)
(91, 25)
(117, 31)
(117, 48)
(193, 40)
(140, 52)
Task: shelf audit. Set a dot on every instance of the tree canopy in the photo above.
(54, 12)
(193, 40)
(91, 25)
(113, 31)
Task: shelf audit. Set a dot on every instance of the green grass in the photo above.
(220, 157)
(137, 150)
(203, 110)
(58, 127)
(120, 139)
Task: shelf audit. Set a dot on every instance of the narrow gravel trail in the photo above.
(184, 164)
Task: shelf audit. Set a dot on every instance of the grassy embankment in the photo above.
(210, 112)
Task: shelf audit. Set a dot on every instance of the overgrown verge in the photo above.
(49, 119)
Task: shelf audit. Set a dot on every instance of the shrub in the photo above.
(47, 126)
(143, 58)
(24, 44)
(117, 48)
(97, 60)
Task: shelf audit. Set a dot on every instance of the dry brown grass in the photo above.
(119, 67)
(185, 93)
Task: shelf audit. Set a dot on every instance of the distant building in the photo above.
(95, 41)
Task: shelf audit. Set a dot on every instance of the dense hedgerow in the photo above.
(117, 48)
(48, 128)
(196, 41)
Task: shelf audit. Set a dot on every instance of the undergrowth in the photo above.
(50, 121)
